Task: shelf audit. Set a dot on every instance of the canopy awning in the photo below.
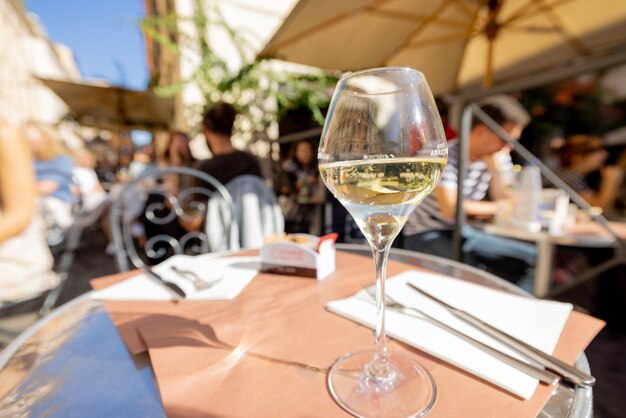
(109, 107)
(458, 44)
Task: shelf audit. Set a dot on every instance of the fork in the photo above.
(536, 372)
(197, 282)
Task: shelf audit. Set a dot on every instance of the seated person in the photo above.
(442, 107)
(25, 259)
(178, 151)
(142, 161)
(53, 169)
(583, 155)
(226, 164)
(227, 161)
(176, 154)
(430, 227)
(302, 192)
(91, 191)
(154, 223)
(613, 179)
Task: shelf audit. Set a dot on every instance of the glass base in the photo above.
(407, 391)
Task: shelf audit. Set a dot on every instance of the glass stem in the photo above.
(381, 367)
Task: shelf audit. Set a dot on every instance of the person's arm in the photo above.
(446, 197)
(17, 183)
(594, 228)
(58, 175)
(612, 177)
(590, 196)
(480, 208)
(575, 182)
(500, 167)
(192, 223)
(47, 186)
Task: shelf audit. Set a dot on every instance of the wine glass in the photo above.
(382, 151)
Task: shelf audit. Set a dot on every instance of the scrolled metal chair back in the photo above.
(145, 203)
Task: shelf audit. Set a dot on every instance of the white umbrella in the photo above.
(457, 44)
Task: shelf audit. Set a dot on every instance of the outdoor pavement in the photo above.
(606, 354)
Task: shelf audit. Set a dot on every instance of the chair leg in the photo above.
(65, 263)
(52, 297)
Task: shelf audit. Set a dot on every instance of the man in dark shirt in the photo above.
(227, 162)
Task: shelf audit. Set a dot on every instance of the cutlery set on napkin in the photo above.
(500, 337)
(202, 277)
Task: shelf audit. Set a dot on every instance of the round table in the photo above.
(546, 244)
(74, 361)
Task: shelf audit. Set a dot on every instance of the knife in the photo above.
(567, 372)
(538, 373)
(172, 286)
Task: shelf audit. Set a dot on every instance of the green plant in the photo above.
(262, 94)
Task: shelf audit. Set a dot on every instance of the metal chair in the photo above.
(148, 221)
(257, 211)
(65, 253)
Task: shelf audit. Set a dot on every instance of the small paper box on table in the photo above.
(305, 255)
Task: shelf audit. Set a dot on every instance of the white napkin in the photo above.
(231, 274)
(538, 323)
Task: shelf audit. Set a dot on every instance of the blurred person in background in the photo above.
(442, 108)
(435, 216)
(429, 228)
(143, 160)
(227, 161)
(303, 194)
(500, 164)
(613, 177)
(177, 154)
(94, 200)
(53, 168)
(583, 155)
(25, 259)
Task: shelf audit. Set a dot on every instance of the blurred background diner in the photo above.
(25, 258)
(301, 190)
(54, 170)
(430, 227)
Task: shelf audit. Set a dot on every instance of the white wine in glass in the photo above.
(382, 151)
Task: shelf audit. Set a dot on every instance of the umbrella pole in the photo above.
(488, 80)
(457, 236)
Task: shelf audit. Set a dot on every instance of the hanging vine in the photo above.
(261, 94)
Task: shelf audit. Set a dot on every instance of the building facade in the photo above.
(253, 23)
(26, 52)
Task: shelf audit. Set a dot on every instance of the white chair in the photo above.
(146, 204)
(257, 211)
